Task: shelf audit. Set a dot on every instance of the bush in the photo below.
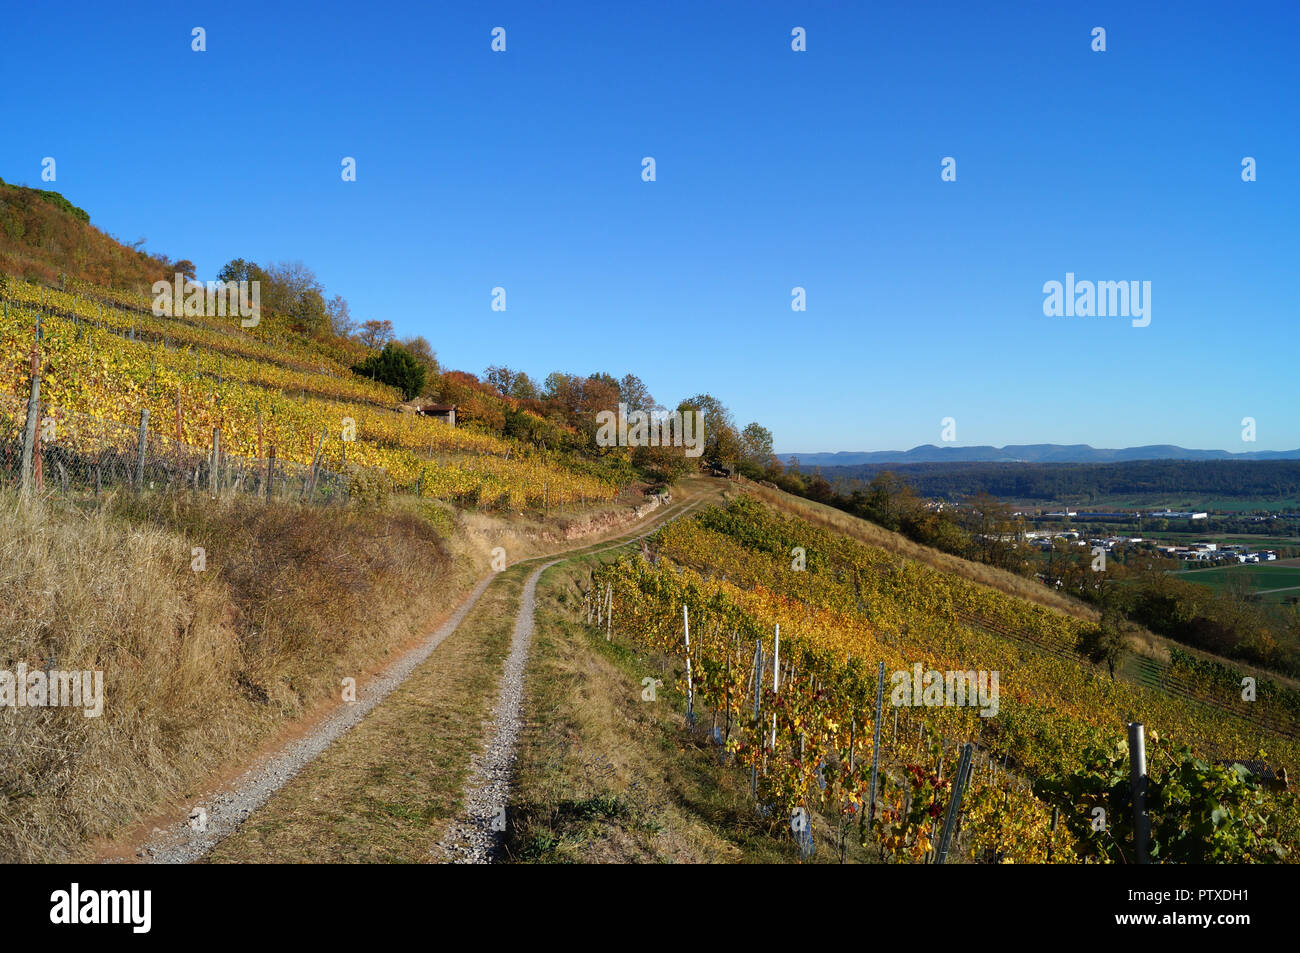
(369, 486)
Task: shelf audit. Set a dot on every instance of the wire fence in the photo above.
(74, 454)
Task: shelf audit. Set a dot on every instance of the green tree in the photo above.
(238, 269)
(309, 314)
(1106, 642)
(756, 445)
(396, 366)
(420, 349)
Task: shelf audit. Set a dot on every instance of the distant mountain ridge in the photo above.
(1029, 453)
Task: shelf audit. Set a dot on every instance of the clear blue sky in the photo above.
(775, 169)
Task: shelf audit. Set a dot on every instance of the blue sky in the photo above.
(776, 169)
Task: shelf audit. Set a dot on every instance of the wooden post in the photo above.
(309, 488)
(180, 438)
(609, 623)
(270, 472)
(33, 413)
(875, 743)
(141, 447)
(212, 462)
(1137, 753)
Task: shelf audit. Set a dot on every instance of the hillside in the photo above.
(1045, 737)
(230, 521)
(44, 236)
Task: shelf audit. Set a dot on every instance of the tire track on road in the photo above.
(475, 838)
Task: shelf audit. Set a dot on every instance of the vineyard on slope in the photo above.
(88, 368)
(851, 607)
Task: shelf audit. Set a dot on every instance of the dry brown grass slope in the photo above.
(200, 668)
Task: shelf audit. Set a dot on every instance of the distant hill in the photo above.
(1029, 453)
(1181, 482)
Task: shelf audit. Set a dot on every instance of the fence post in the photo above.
(853, 730)
(690, 686)
(776, 679)
(1051, 838)
(954, 805)
(1138, 775)
(758, 693)
(33, 412)
(270, 473)
(212, 463)
(875, 743)
(140, 449)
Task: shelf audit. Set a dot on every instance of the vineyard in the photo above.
(1045, 753)
(265, 391)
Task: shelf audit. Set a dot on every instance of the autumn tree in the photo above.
(635, 394)
(500, 377)
(375, 333)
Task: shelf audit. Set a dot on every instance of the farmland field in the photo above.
(1273, 581)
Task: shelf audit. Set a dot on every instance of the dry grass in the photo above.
(200, 669)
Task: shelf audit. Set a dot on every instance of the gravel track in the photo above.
(471, 840)
(474, 838)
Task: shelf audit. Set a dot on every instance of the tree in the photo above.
(563, 389)
(238, 269)
(523, 387)
(1106, 642)
(185, 267)
(375, 334)
(340, 317)
(662, 464)
(309, 314)
(420, 349)
(721, 442)
(635, 394)
(756, 445)
(395, 366)
(502, 378)
(287, 283)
